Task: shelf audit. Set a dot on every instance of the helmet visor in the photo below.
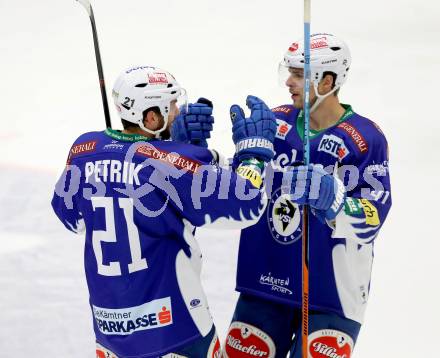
(182, 99)
(283, 74)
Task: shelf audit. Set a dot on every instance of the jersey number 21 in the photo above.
(109, 235)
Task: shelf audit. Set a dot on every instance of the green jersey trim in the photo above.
(126, 137)
(313, 133)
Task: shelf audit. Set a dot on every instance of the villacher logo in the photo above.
(329, 343)
(245, 340)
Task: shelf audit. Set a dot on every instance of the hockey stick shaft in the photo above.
(89, 9)
(305, 227)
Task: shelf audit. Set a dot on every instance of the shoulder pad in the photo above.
(355, 135)
(178, 155)
(84, 144)
(364, 133)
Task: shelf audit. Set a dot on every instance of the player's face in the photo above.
(295, 83)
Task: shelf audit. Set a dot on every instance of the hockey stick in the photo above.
(305, 226)
(89, 9)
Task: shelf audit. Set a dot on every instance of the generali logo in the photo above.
(169, 158)
(83, 147)
(282, 109)
(86, 147)
(355, 135)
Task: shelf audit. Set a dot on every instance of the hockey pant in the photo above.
(262, 328)
(204, 347)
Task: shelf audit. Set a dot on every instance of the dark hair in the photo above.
(331, 74)
(334, 80)
(127, 125)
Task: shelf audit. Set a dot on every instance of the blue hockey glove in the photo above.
(253, 137)
(194, 125)
(312, 185)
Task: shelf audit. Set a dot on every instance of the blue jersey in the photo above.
(139, 202)
(341, 252)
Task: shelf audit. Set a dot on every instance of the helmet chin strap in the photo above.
(319, 98)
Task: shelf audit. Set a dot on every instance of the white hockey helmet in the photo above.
(327, 54)
(142, 87)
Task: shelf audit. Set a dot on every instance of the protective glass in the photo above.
(182, 99)
(285, 72)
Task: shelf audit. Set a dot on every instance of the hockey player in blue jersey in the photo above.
(138, 198)
(347, 187)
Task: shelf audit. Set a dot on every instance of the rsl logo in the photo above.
(284, 218)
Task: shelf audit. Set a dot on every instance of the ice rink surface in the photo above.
(223, 50)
